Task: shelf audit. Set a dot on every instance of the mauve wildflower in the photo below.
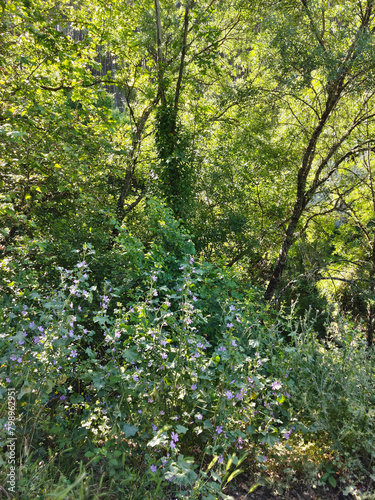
(168, 303)
(135, 377)
(19, 360)
(71, 305)
(221, 349)
(195, 298)
(220, 459)
(234, 343)
(239, 443)
(73, 353)
(164, 355)
(219, 429)
(62, 398)
(194, 386)
(21, 342)
(8, 380)
(199, 416)
(24, 313)
(154, 428)
(32, 325)
(173, 444)
(238, 319)
(117, 335)
(230, 325)
(156, 293)
(174, 437)
(13, 357)
(232, 308)
(153, 468)
(229, 395)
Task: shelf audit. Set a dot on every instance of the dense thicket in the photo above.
(205, 168)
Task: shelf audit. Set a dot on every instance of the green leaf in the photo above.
(180, 429)
(233, 475)
(129, 430)
(332, 481)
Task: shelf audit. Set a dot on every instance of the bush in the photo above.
(122, 382)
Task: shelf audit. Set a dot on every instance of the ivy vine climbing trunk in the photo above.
(170, 141)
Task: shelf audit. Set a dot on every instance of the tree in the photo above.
(327, 60)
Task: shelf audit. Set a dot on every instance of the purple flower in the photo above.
(232, 308)
(239, 443)
(62, 398)
(220, 459)
(234, 343)
(221, 349)
(174, 437)
(173, 444)
(193, 387)
(19, 360)
(21, 342)
(199, 416)
(195, 298)
(8, 381)
(154, 278)
(154, 428)
(73, 353)
(164, 355)
(135, 377)
(219, 429)
(230, 325)
(40, 328)
(153, 468)
(117, 335)
(13, 357)
(229, 395)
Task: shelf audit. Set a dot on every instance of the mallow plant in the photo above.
(116, 382)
